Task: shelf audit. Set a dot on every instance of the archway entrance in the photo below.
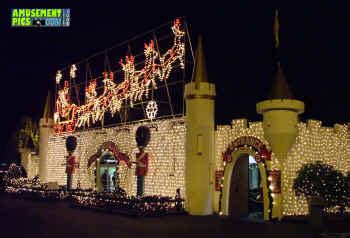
(108, 171)
(106, 160)
(246, 195)
(255, 190)
(245, 191)
(238, 205)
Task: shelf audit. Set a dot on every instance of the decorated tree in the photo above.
(28, 135)
(322, 181)
(14, 171)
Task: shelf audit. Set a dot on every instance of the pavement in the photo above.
(26, 218)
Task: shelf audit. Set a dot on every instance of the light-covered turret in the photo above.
(280, 116)
(200, 105)
(280, 119)
(46, 125)
(280, 112)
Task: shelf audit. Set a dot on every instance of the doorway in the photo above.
(246, 195)
(108, 171)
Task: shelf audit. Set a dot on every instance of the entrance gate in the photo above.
(234, 199)
(238, 204)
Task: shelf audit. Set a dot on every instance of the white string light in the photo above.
(58, 76)
(72, 71)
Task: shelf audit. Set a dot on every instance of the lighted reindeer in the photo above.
(135, 85)
(65, 110)
(177, 52)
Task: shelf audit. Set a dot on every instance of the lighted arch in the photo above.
(246, 145)
(111, 148)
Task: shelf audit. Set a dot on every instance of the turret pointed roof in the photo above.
(200, 69)
(280, 88)
(48, 107)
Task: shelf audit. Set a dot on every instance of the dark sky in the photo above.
(238, 42)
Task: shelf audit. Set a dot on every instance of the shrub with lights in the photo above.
(120, 203)
(116, 202)
(322, 182)
(32, 189)
(14, 172)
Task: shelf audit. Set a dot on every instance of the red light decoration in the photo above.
(135, 86)
(262, 152)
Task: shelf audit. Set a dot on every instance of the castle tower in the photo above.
(199, 95)
(280, 118)
(46, 125)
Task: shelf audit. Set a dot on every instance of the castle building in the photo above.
(241, 169)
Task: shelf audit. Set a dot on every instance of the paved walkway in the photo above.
(24, 218)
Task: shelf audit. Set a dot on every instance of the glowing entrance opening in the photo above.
(109, 171)
(255, 193)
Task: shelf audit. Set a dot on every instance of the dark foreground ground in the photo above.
(24, 218)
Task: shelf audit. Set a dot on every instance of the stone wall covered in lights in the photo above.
(330, 145)
(166, 149)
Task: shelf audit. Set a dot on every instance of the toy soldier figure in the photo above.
(71, 163)
(143, 136)
(141, 170)
(70, 169)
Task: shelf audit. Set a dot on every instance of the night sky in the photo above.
(238, 44)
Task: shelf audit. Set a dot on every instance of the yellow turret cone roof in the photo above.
(48, 112)
(200, 69)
